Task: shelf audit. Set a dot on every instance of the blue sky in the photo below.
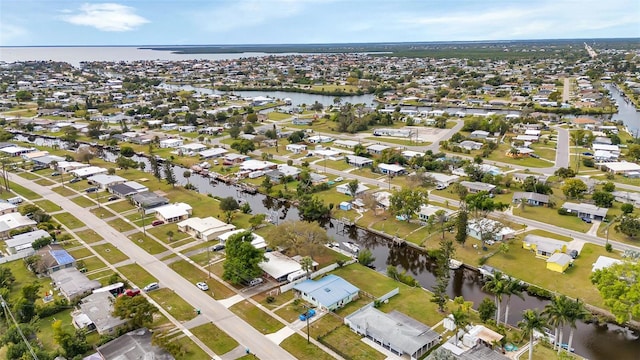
(146, 22)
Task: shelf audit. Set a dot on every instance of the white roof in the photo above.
(15, 149)
(607, 147)
(173, 210)
(254, 165)
(559, 258)
(213, 152)
(622, 166)
(206, 226)
(279, 265)
(26, 238)
(4, 206)
(12, 221)
(411, 154)
(103, 179)
(604, 262)
(258, 241)
(429, 210)
(443, 178)
(391, 167)
(88, 171)
(326, 152)
(193, 146)
(171, 141)
(346, 143)
(71, 164)
(478, 225)
(377, 147)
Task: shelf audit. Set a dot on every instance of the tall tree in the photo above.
(155, 167)
(512, 287)
(299, 237)
(555, 313)
(620, 289)
(241, 263)
(243, 146)
(496, 286)
(574, 188)
(462, 221)
(406, 202)
(306, 263)
(460, 319)
(353, 186)
(628, 225)
(577, 312)
(168, 174)
(187, 175)
(530, 323)
(137, 309)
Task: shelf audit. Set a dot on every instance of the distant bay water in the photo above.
(76, 54)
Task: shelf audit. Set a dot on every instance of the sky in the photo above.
(193, 22)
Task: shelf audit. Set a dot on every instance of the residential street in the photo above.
(226, 320)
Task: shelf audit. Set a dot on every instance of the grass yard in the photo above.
(324, 325)
(194, 275)
(68, 220)
(191, 349)
(337, 165)
(367, 280)
(395, 227)
(81, 253)
(28, 175)
(120, 225)
(349, 343)
(45, 182)
(102, 212)
(291, 311)
(121, 206)
(93, 263)
(551, 216)
(48, 206)
(110, 253)
(366, 172)
(24, 191)
(83, 201)
(257, 318)
(89, 236)
(297, 346)
(64, 191)
(216, 339)
(137, 275)
(173, 303)
(279, 299)
(160, 232)
(148, 244)
(277, 116)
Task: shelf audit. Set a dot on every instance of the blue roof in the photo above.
(62, 257)
(328, 290)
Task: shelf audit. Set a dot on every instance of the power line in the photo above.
(6, 310)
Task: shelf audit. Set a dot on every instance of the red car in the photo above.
(131, 292)
(157, 222)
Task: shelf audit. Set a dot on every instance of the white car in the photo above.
(338, 179)
(202, 286)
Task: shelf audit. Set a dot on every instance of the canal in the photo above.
(627, 112)
(590, 340)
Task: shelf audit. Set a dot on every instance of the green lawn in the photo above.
(24, 191)
(102, 212)
(173, 303)
(323, 326)
(93, 263)
(48, 206)
(29, 175)
(89, 236)
(366, 279)
(110, 253)
(80, 253)
(337, 165)
(160, 232)
(137, 275)
(551, 216)
(395, 227)
(148, 244)
(297, 346)
(257, 318)
(120, 225)
(215, 339)
(45, 182)
(64, 191)
(121, 206)
(194, 275)
(68, 220)
(349, 343)
(83, 201)
(278, 299)
(191, 349)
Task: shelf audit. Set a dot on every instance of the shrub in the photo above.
(539, 292)
(608, 247)
(563, 211)
(270, 299)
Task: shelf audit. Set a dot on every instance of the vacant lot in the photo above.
(174, 304)
(110, 253)
(68, 220)
(260, 320)
(216, 339)
(137, 275)
(298, 347)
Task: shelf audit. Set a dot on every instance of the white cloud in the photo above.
(9, 33)
(106, 17)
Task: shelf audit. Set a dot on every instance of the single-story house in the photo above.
(103, 181)
(173, 212)
(258, 241)
(376, 149)
(318, 139)
(23, 241)
(427, 211)
(604, 262)
(148, 200)
(257, 165)
(409, 154)
(344, 189)
(527, 138)
(499, 232)
(442, 179)
(127, 188)
(296, 148)
(345, 205)
(531, 198)
(73, 284)
(278, 266)
(382, 198)
(622, 167)
(479, 134)
(16, 150)
(204, 229)
(476, 187)
(14, 221)
(470, 145)
(35, 154)
(480, 335)
(358, 161)
(349, 144)
(627, 197)
(192, 148)
(544, 247)
(136, 344)
(234, 158)
(604, 147)
(302, 121)
(95, 314)
(521, 177)
(171, 143)
(53, 258)
(392, 169)
(7, 208)
(88, 171)
(328, 154)
(68, 166)
(47, 160)
(586, 210)
(394, 331)
(212, 153)
(317, 178)
(329, 293)
(604, 156)
(558, 262)
(169, 126)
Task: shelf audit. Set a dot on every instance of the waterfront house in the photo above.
(329, 293)
(544, 247)
(498, 232)
(173, 212)
(205, 229)
(428, 211)
(558, 262)
(344, 189)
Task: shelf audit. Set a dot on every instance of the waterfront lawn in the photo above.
(148, 244)
(551, 217)
(215, 339)
(30, 195)
(257, 318)
(194, 275)
(366, 279)
(278, 116)
(137, 275)
(64, 191)
(68, 220)
(297, 346)
(395, 227)
(350, 344)
(416, 303)
(173, 303)
(89, 236)
(110, 253)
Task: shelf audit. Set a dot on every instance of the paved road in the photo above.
(566, 90)
(562, 148)
(226, 320)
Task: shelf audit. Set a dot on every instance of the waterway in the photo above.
(627, 112)
(590, 341)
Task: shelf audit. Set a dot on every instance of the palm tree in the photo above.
(512, 286)
(307, 265)
(460, 319)
(531, 322)
(555, 312)
(496, 286)
(577, 311)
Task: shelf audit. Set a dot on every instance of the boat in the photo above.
(565, 346)
(454, 264)
(351, 246)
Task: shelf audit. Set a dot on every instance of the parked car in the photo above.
(75, 180)
(307, 315)
(131, 292)
(256, 281)
(157, 222)
(152, 286)
(338, 179)
(587, 220)
(217, 247)
(55, 173)
(92, 190)
(573, 253)
(441, 187)
(113, 198)
(202, 286)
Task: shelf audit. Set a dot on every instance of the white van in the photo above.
(15, 200)
(256, 281)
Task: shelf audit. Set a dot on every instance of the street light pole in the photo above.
(208, 264)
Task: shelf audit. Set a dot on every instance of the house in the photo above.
(171, 143)
(47, 160)
(409, 154)
(470, 145)
(317, 178)
(173, 212)
(302, 121)
(126, 189)
(296, 148)
(16, 150)
(169, 126)
(68, 166)
(278, 266)
(95, 314)
(257, 165)
(103, 181)
(24, 241)
(498, 232)
(442, 179)
(392, 169)
(7, 208)
(382, 198)
(359, 161)
(136, 344)
(231, 159)
(393, 132)
(558, 262)
(521, 177)
(475, 187)
(532, 198)
(14, 221)
(319, 139)
(204, 229)
(627, 197)
(258, 241)
(73, 284)
(148, 200)
(192, 149)
(544, 247)
(427, 211)
(212, 153)
(329, 293)
(604, 262)
(344, 189)
(345, 205)
(376, 149)
(622, 167)
(53, 258)
(88, 171)
(349, 144)
(614, 149)
(327, 154)
(394, 331)
(586, 210)
(479, 134)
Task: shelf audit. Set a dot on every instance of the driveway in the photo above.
(215, 312)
